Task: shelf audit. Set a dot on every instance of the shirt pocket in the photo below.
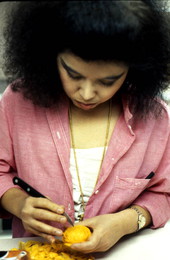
(126, 190)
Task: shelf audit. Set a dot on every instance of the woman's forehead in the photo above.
(72, 60)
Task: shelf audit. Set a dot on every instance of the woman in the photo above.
(83, 120)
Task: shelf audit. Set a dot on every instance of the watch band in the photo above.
(141, 218)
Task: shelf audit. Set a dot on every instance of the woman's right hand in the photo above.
(34, 212)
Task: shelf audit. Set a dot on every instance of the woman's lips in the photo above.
(86, 106)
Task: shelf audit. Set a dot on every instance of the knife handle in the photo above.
(26, 187)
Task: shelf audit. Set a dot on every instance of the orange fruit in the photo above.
(76, 234)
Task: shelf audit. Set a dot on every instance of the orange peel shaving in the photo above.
(76, 234)
(37, 250)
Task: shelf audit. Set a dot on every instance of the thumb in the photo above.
(87, 223)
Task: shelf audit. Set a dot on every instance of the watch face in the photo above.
(141, 221)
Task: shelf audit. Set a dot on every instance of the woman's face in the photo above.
(89, 84)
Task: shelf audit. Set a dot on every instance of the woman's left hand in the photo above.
(107, 230)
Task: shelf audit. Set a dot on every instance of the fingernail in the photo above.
(59, 210)
(52, 240)
(63, 219)
(58, 233)
(74, 246)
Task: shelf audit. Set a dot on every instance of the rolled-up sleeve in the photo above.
(7, 160)
(156, 198)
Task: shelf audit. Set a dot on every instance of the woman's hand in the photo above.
(107, 230)
(34, 212)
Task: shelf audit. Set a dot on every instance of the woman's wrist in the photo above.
(12, 199)
(130, 219)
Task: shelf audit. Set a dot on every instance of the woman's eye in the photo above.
(75, 77)
(107, 83)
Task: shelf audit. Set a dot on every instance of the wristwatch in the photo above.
(141, 219)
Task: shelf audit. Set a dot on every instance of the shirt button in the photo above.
(97, 191)
(58, 135)
(113, 159)
(69, 206)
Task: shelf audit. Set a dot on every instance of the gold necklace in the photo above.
(75, 157)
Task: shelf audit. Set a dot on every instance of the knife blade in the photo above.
(34, 193)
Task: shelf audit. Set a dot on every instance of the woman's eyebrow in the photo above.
(112, 77)
(66, 67)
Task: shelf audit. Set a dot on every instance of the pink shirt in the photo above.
(35, 145)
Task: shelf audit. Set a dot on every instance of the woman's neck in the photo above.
(89, 127)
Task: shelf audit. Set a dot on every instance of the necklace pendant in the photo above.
(81, 216)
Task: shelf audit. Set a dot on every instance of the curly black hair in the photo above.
(135, 33)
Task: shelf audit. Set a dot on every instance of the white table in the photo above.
(145, 245)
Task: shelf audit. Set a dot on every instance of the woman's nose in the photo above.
(87, 91)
